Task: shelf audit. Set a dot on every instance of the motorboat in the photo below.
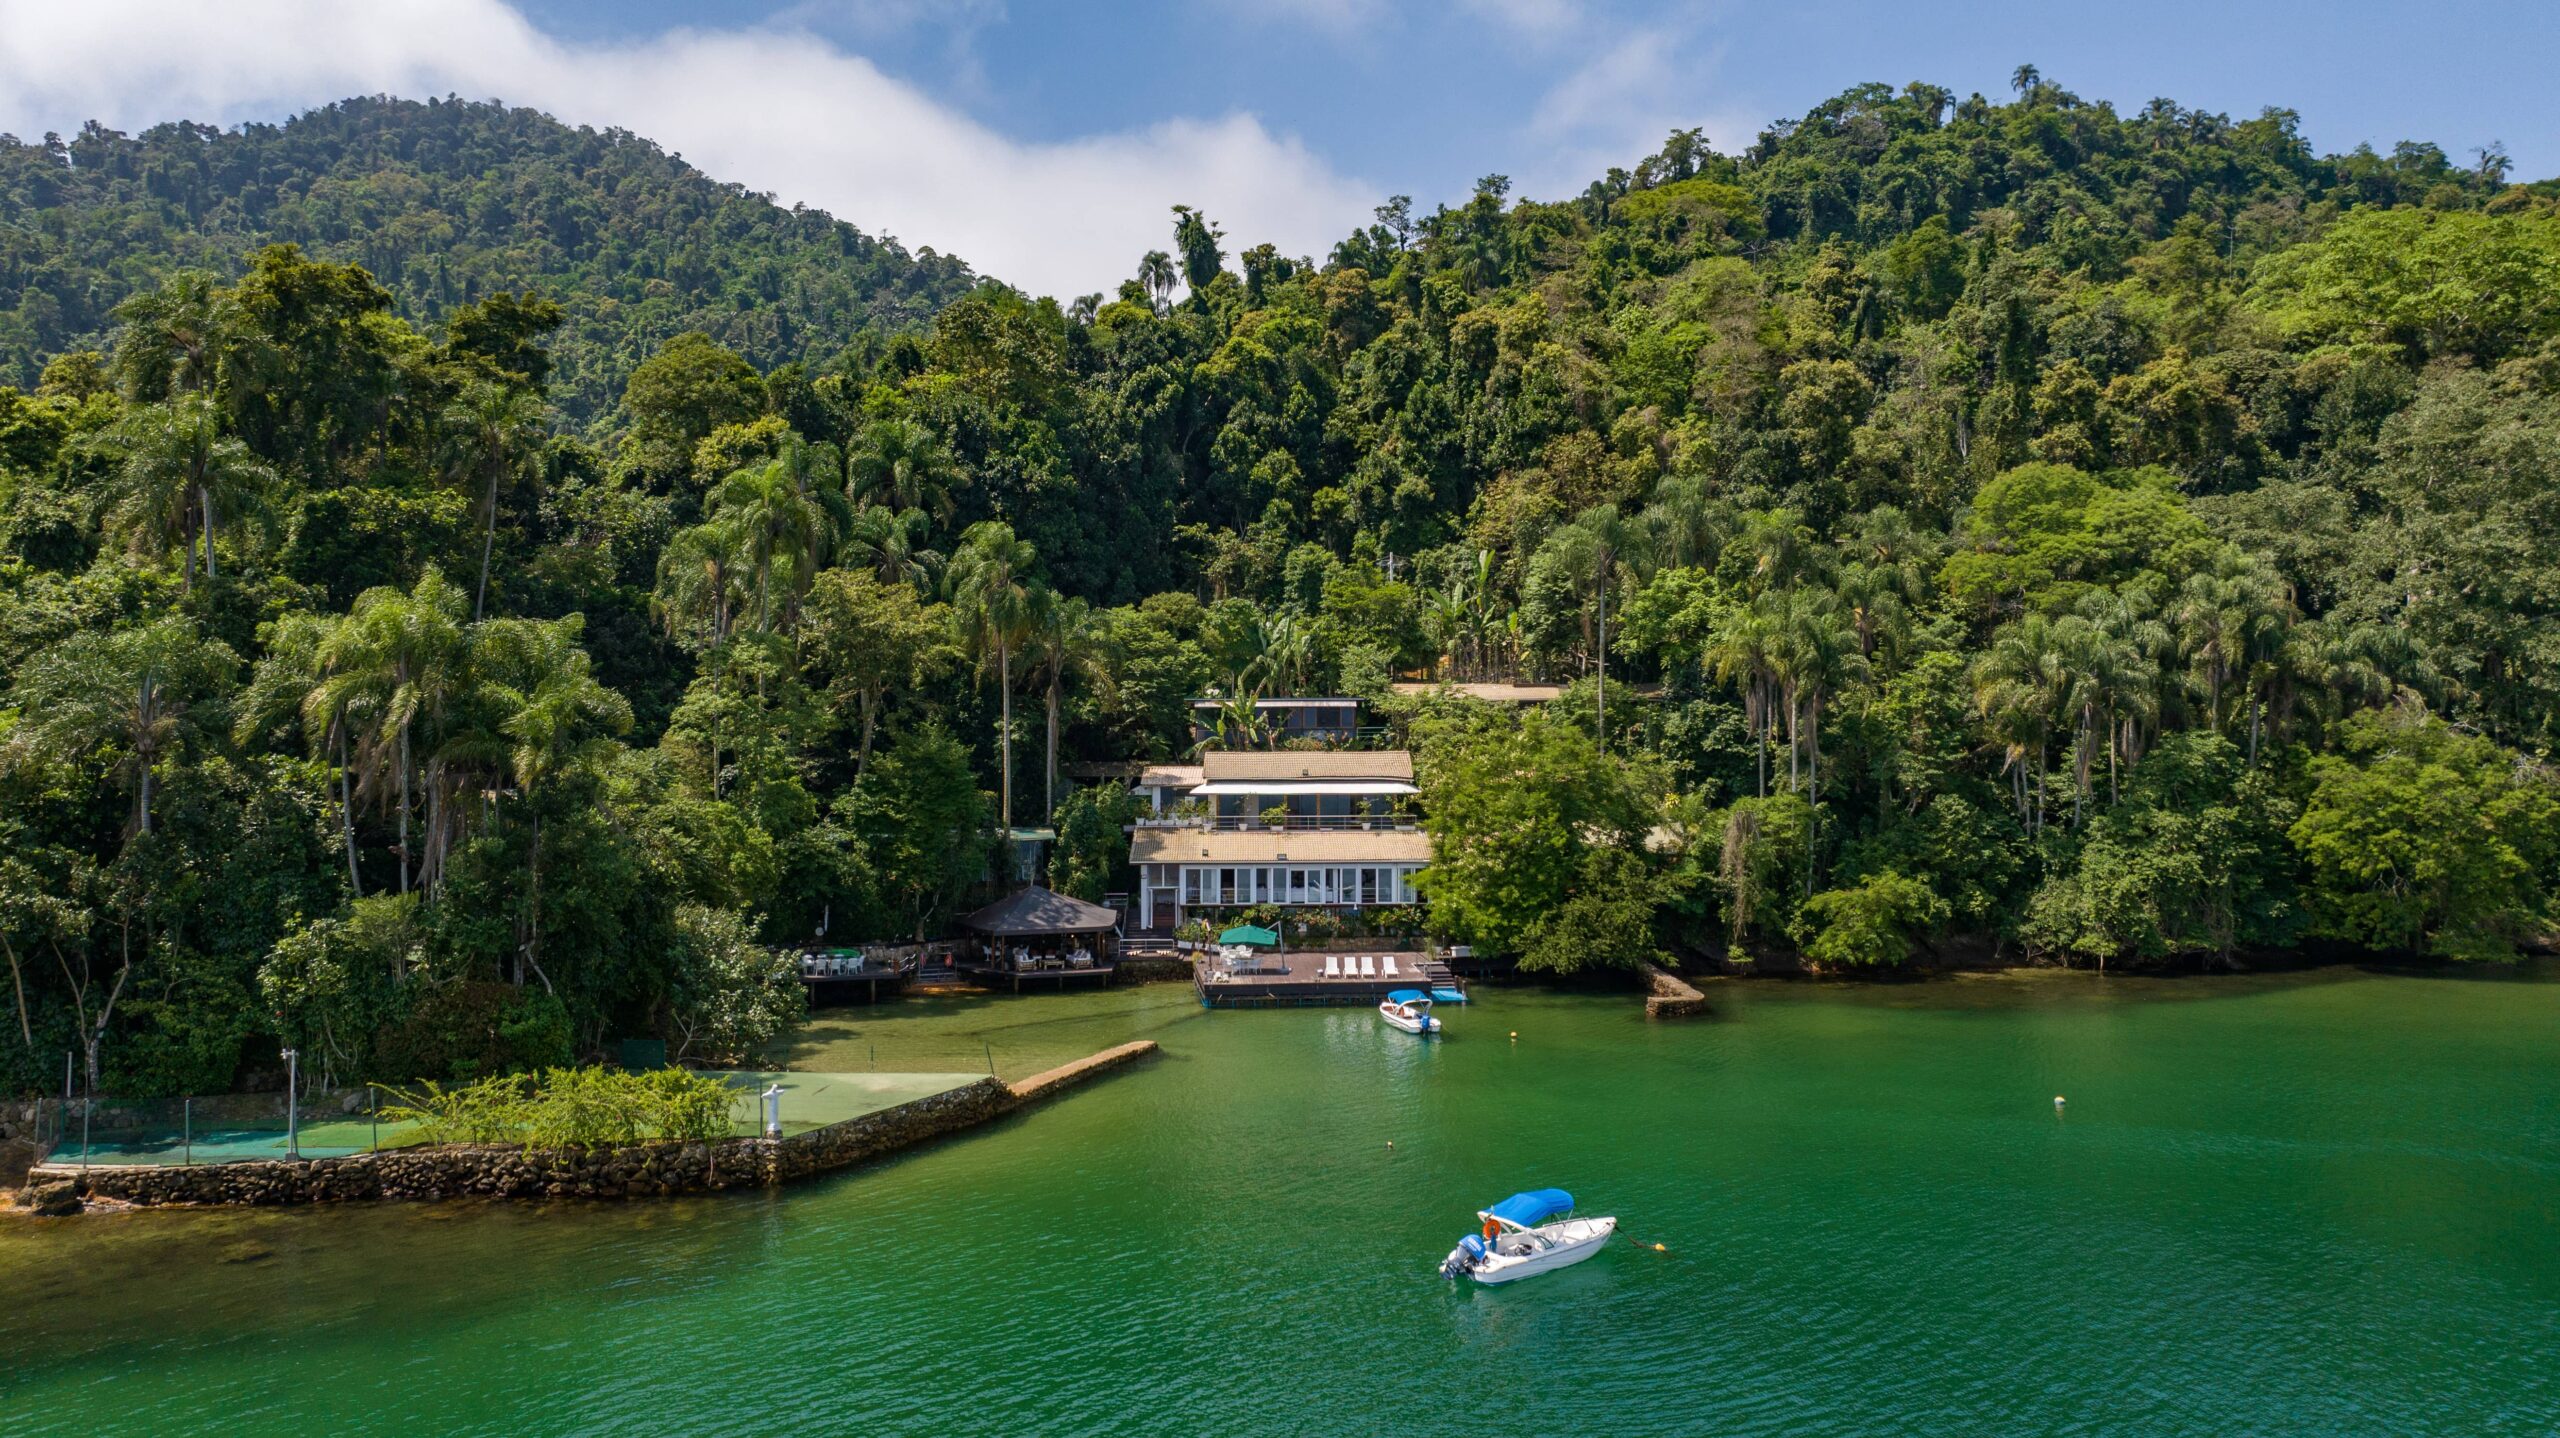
(1524, 1235)
(1409, 1010)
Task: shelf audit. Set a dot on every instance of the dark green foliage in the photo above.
(465, 581)
(448, 204)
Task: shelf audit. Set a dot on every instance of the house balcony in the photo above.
(1291, 824)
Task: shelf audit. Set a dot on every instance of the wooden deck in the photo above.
(995, 975)
(1293, 980)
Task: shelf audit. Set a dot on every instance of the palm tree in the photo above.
(399, 661)
(1742, 651)
(287, 685)
(992, 591)
(784, 524)
(556, 718)
(2141, 649)
(180, 472)
(127, 692)
(1157, 274)
(701, 582)
(902, 463)
(2231, 620)
(1816, 656)
(1614, 541)
(2018, 684)
(495, 430)
(890, 543)
(173, 339)
(1062, 643)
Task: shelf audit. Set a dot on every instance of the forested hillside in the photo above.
(2117, 537)
(445, 202)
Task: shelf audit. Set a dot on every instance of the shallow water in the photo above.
(2319, 1204)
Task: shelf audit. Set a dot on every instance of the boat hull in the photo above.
(1573, 1241)
(1422, 1026)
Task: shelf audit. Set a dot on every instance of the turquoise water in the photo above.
(2320, 1205)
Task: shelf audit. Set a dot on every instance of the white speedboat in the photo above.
(1410, 1010)
(1527, 1234)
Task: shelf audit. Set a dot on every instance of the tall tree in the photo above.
(992, 590)
(496, 430)
(180, 473)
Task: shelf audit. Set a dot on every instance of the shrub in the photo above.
(569, 1108)
(1871, 925)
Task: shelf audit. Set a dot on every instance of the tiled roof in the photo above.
(1227, 766)
(1169, 776)
(1328, 846)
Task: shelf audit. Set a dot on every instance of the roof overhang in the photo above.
(1305, 786)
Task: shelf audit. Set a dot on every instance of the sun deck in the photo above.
(1285, 980)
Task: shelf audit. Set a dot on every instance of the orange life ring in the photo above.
(1492, 1230)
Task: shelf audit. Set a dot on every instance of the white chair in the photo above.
(1389, 964)
(1368, 967)
(1332, 967)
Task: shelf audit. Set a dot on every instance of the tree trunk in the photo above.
(488, 542)
(532, 951)
(1004, 735)
(404, 808)
(1052, 794)
(870, 718)
(1604, 659)
(347, 815)
(18, 981)
(204, 500)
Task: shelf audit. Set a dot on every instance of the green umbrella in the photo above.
(1253, 934)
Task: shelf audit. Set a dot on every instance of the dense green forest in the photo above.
(444, 203)
(2114, 537)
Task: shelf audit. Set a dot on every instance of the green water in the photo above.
(2317, 1205)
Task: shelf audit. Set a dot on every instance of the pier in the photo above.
(1305, 979)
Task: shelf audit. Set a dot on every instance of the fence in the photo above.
(845, 1081)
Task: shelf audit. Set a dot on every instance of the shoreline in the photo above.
(647, 1170)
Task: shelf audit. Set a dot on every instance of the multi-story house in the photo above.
(1321, 829)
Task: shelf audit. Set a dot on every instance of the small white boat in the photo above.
(1525, 1235)
(1409, 1010)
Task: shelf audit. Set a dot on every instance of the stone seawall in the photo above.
(1151, 971)
(632, 1171)
(1672, 997)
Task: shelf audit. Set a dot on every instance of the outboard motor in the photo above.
(1468, 1258)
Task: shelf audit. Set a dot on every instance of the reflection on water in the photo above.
(2294, 1203)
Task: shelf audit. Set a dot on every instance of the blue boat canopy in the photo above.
(1528, 1210)
(1409, 996)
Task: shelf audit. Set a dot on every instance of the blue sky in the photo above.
(1424, 97)
(1045, 141)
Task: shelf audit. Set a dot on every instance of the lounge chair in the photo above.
(1332, 967)
(1389, 965)
(1368, 967)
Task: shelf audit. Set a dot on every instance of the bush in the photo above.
(1872, 925)
(732, 995)
(569, 1108)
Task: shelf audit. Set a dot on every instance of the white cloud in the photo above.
(776, 109)
(1529, 17)
(1616, 107)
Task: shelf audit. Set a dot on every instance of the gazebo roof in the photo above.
(1038, 911)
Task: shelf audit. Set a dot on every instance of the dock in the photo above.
(1296, 980)
(1049, 973)
(836, 976)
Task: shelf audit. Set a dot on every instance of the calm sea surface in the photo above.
(2326, 1204)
